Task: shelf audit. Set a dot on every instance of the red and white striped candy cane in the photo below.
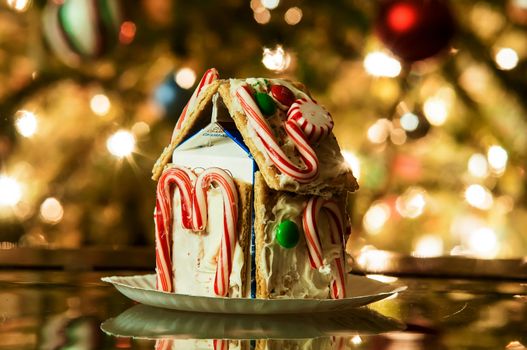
(336, 224)
(164, 344)
(302, 174)
(220, 344)
(172, 178)
(220, 178)
(209, 76)
(313, 119)
(339, 343)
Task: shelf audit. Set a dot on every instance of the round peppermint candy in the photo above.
(313, 119)
(77, 29)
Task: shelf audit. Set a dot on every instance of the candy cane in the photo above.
(164, 344)
(276, 154)
(182, 179)
(220, 178)
(220, 344)
(337, 230)
(209, 76)
(311, 231)
(339, 342)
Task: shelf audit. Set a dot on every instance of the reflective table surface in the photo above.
(75, 310)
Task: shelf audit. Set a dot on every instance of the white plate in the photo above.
(141, 288)
(142, 321)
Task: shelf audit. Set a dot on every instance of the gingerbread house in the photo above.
(251, 195)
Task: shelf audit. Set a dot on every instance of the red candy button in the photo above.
(283, 95)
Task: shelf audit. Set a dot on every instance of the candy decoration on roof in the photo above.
(415, 29)
(265, 103)
(313, 119)
(310, 216)
(210, 76)
(283, 96)
(302, 174)
(82, 29)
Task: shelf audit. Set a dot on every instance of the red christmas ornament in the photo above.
(415, 29)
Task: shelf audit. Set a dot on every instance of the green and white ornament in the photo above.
(82, 29)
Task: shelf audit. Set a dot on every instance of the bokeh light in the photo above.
(427, 246)
(497, 157)
(397, 136)
(276, 59)
(263, 16)
(409, 121)
(402, 17)
(373, 259)
(26, 123)
(19, 5)
(353, 162)
(51, 210)
(270, 4)
(411, 203)
(380, 64)
(376, 217)
(379, 132)
(293, 16)
(185, 77)
(10, 191)
(506, 58)
(435, 110)
(140, 128)
(483, 242)
(478, 166)
(356, 340)
(121, 144)
(479, 197)
(100, 104)
(127, 32)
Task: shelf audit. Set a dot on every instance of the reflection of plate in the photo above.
(143, 321)
(141, 288)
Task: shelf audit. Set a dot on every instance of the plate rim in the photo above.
(119, 285)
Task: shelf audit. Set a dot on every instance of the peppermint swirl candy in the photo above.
(313, 119)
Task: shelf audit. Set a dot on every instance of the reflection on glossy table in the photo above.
(65, 310)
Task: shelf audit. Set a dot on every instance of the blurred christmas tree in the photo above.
(429, 100)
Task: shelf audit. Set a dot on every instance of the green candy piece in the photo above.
(266, 103)
(287, 234)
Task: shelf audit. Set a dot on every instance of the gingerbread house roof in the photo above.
(287, 133)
